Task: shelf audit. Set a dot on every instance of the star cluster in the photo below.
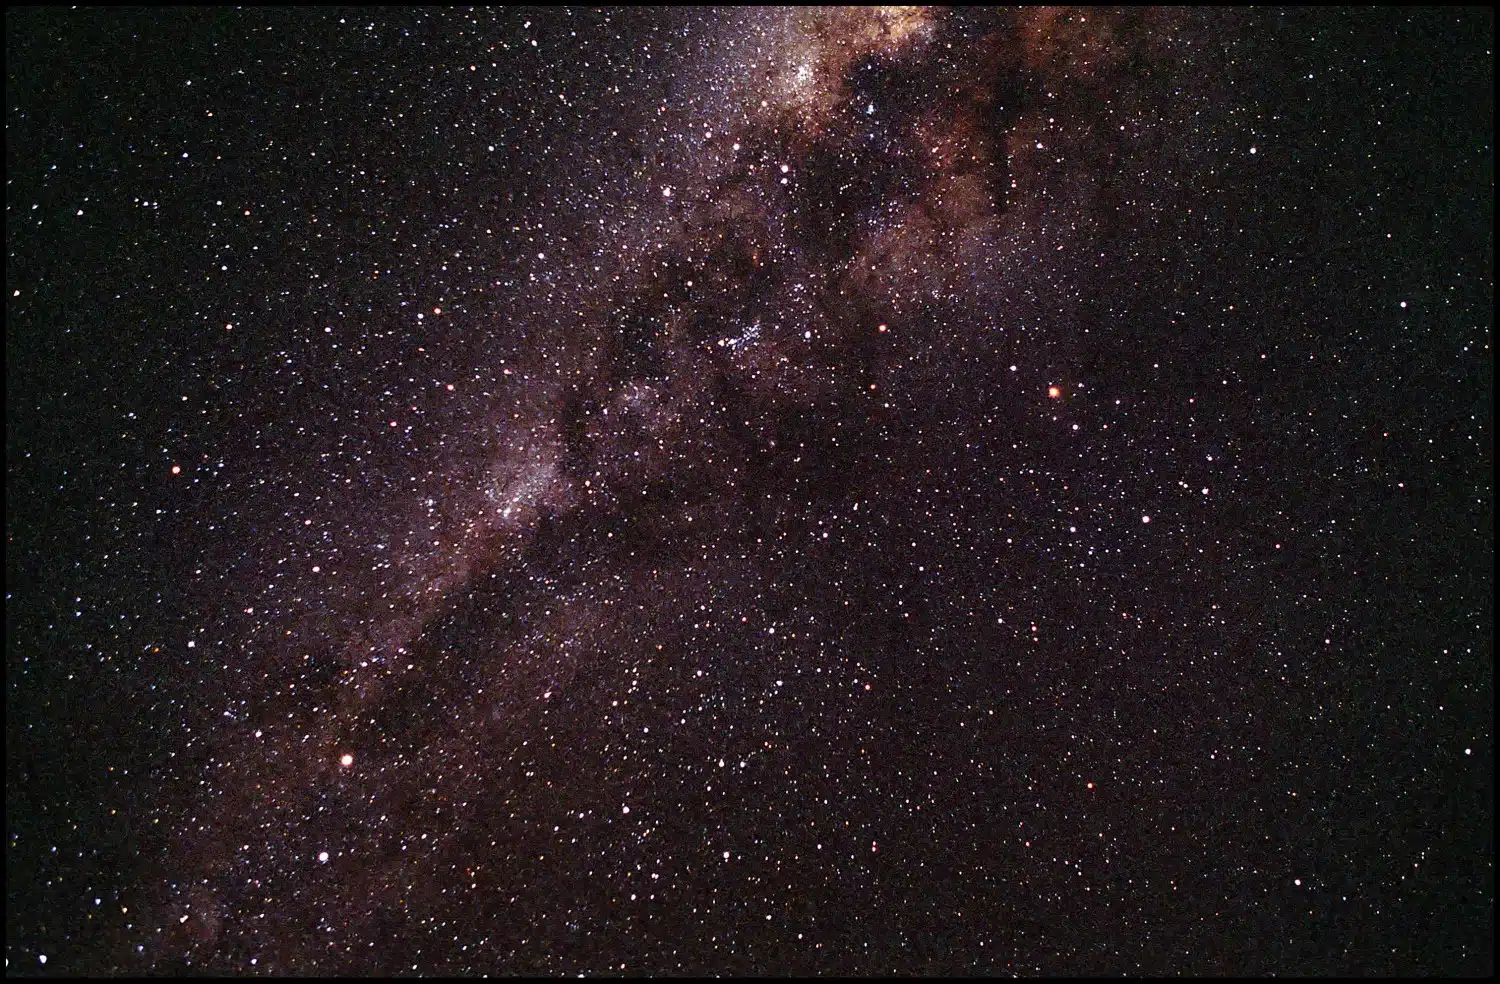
(758, 491)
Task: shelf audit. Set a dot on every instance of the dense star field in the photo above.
(749, 491)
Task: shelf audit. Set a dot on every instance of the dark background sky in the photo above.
(627, 437)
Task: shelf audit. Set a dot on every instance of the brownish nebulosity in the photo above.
(761, 301)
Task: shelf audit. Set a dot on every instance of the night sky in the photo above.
(749, 491)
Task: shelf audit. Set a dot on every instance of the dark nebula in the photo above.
(749, 491)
